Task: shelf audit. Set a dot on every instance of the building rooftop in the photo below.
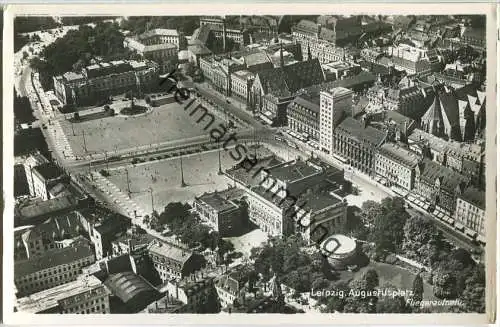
(51, 298)
(449, 179)
(222, 201)
(467, 150)
(356, 129)
(316, 202)
(293, 171)
(52, 258)
(72, 76)
(474, 196)
(56, 228)
(132, 289)
(47, 207)
(244, 74)
(398, 153)
(49, 170)
(170, 251)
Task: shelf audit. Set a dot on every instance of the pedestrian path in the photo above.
(60, 140)
(130, 207)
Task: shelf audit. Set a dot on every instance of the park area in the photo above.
(391, 275)
(164, 177)
(163, 124)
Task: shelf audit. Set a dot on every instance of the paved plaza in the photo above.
(163, 124)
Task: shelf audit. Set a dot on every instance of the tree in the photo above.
(444, 279)
(474, 292)
(396, 304)
(371, 278)
(387, 232)
(418, 288)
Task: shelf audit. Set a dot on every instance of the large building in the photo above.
(32, 161)
(86, 295)
(165, 54)
(173, 262)
(465, 158)
(133, 292)
(103, 227)
(218, 70)
(99, 81)
(271, 204)
(55, 267)
(320, 215)
(303, 115)
(439, 185)
(333, 106)
(224, 31)
(223, 211)
(396, 165)
(43, 177)
(470, 213)
(458, 114)
(162, 36)
(36, 240)
(412, 60)
(273, 89)
(326, 34)
(356, 143)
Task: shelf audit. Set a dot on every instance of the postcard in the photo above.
(249, 164)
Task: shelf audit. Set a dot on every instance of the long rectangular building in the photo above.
(99, 81)
(86, 295)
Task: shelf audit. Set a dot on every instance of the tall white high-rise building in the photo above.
(334, 105)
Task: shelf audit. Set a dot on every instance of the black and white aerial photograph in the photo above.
(249, 164)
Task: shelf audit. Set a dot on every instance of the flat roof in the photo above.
(49, 170)
(46, 207)
(222, 201)
(170, 251)
(293, 171)
(319, 201)
(50, 298)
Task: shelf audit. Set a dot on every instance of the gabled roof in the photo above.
(284, 81)
(449, 179)
(474, 196)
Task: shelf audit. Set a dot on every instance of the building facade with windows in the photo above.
(320, 215)
(99, 81)
(223, 211)
(333, 106)
(357, 143)
(303, 115)
(440, 185)
(173, 262)
(86, 295)
(55, 267)
(163, 36)
(470, 212)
